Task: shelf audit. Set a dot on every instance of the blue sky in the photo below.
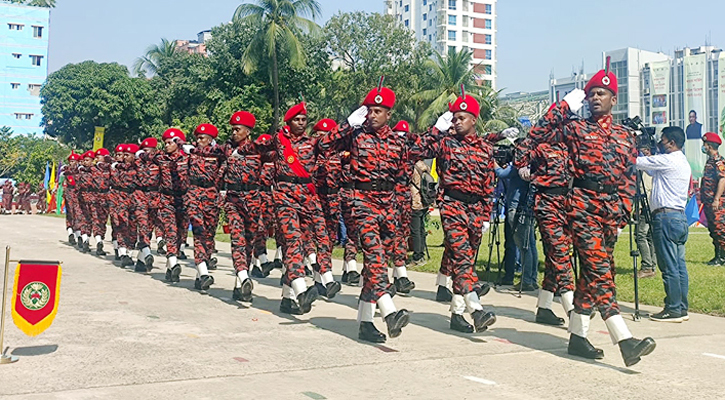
(535, 37)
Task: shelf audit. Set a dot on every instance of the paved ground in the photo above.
(123, 335)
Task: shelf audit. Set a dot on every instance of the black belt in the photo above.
(123, 189)
(202, 184)
(560, 190)
(243, 187)
(595, 186)
(666, 210)
(327, 190)
(463, 197)
(376, 185)
(347, 185)
(294, 179)
(148, 189)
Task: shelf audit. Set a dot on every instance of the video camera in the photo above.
(503, 154)
(645, 135)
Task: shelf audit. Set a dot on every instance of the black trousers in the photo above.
(418, 233)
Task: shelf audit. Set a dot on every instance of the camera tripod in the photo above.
(641, 210)
(494, 236)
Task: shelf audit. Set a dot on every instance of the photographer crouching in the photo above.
(670, 174)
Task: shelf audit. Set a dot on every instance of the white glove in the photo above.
(444, 121)
(358, 117)
(525, 173)
(138, 153)
(223, 194)
(486, 227)
(187, 148)
(510, 133)
(213, 142)
(114, 165)
(235, 154)
(619, 231)
(575, 100)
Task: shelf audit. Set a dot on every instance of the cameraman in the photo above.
(670, 173)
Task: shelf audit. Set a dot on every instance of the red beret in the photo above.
(325, 125)
(132, 148)
(119, 148)
(467, 104)
(243, 118)
(149, 142)
(89, 154)
(298, 109)
(174, 133)
(401, 126)
(603, 79)
(102, 152)
(206, 129)
(712, 137)
(383, 97)
(74, 157)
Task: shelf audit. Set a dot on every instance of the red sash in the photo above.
(290, 157)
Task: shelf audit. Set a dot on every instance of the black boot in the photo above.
(459, 323)
(321, 289)
(266, 268)
(721, 258)
(141, 266)
(331, 289)
(351, 278)
(116, 257)
(99, 249)
(288, 306)
(211, 264)
(308, 272)
(160, 250)
(396, 322)
(547, 317)
(403, 285)
(244, 293)
(369, 333)
(305, 300)
(632, 349)
(482, 289)
(277, 263)
(149, 261)
(203, 283)
(72, 239)
(444, 295)
(482, 320)
(126, 261)
(182, 256)
(256, 273)
(581, 347)
(80, 244)
(86, 247)
(173, 275)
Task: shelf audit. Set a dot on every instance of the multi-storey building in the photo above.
(197, 46)
(23, 65)
(454, 24)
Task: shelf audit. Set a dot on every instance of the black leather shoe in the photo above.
(149, 261)
(212, 263)
(203, 283)
(99, 250)
(581, 347)
(482, 320)
(321, 289)
(126, 261)
(116, 257)
(160, 250)
(305, 300)
(173, 275)
(288, 306)
(396, 322)
(244, 293)
(266, 268)
(86, 248)
(403, 285)
(444, 295)
(182, 256)
(459, 323)
(547, 317)
(369, 333)
(277, 263)
(79, 244)
(72, 239)
(351, 278)
(141, 266)
(482, 289)
(332, 289)
(256, 273)
(632, 349)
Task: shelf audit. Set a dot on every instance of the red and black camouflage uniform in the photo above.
(268, 220)
(346, 205)
(713, 172)
(101, 173)
(8, 192)
(327, 180)
(404, 198)
(70, 196)
(604, 153)
(147, 185)
(377, 161)
(202, 198)
(42, 199)
(24, 197)
(299, 212)
(466, 170)
(86, 187)
(550, 167)
(243, 204)
(123, 185)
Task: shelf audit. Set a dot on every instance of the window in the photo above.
(28, 116)
(452, 20)
(425, 17)
(35, 60)
(18, 116)
(425, 31)
(430, 7)
(23, 116)
(430, 22)
(486, 69)
(464, 37)
(430, 38)
(401, 3)
(465, 21)
(15, 86)
(34, 89)
(407, 8)
(451, 4)
(15, 27)
(452, 35)
(17, 55)
(488, 9)
(489, 54)
(425, 2)
(452, 49)
(37, 32)
(488, 39)
(488, 24)
(406, 23)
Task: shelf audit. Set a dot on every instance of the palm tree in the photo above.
(280, 24)
(155, 54)
(36, 3)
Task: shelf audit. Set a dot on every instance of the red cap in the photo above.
(712, 137)
(119, 148)
(243, 118)
(74, 157)
(325, 125)
(401, 126)
(174, 133)
(603, 79)
(206, 129)
(467, 104)
(382, 97)
(102, 152)
(131, 148)
(295, 111)
(89, 154)
(149, 142)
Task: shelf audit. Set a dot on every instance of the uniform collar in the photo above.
(605, 122)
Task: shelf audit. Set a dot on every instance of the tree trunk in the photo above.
(275, 85)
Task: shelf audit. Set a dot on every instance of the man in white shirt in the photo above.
(670, 173)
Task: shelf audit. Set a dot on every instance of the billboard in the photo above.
(695, 106)
(660, 100)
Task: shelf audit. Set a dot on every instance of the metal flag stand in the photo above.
(4, 358)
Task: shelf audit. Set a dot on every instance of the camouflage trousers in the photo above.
(556, 239)
(202, 208)
(462, 226)
(715, 224)
(353, 235)
(243, 210)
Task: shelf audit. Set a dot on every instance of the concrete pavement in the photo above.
(119, 334)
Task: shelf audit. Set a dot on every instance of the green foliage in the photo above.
(35, 3)
(24, 157)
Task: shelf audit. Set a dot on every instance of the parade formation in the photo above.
(297, 184)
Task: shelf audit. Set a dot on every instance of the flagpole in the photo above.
(4, 358)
